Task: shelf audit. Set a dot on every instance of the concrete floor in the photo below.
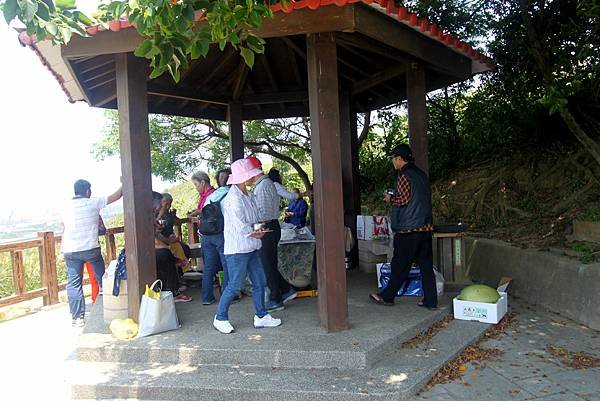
(36, 349)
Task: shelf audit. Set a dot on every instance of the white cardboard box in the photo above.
(481, 311)
(368, 227)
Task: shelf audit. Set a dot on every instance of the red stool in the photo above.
(93, 282)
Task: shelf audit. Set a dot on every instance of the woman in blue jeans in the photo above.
(241, 245)
(212, 245)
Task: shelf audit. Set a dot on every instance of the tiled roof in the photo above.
(400, 14)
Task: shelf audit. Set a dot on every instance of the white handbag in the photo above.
(157, 311)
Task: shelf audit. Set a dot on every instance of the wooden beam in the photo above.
(300, 22)
(266, 65)
(274, 98)
(189, 94)
(327, 166)
(236, 131)
(136, 176)
(241, 80)
(302, 54)
(392, 33)
(103, 95)
(378, 78)
(226, 55)
(103, 42)
(300, 110)
(367, 45)
(417, 115)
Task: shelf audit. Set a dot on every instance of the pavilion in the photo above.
(325, 59)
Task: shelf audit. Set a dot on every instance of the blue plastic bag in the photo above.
(412, 287)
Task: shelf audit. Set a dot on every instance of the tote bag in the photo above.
(157, 311)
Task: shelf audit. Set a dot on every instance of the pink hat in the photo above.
(241, 171)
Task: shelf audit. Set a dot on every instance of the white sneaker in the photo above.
(266, 321)
(223, 326)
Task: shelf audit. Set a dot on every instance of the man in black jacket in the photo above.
(412, 225)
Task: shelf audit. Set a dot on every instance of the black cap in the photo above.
(402, 150)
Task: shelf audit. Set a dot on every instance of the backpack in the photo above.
(211, 218)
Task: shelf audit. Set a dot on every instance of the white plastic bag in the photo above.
(439, 282)
(157, 315)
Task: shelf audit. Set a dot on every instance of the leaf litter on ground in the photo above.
(454, 369)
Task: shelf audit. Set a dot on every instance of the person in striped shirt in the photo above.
(80, 242)
(242, 243)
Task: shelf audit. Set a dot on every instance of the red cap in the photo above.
(255, 162)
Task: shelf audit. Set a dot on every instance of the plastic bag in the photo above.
(157, 315)
(439, 282)
(150, 293)
(123, 329)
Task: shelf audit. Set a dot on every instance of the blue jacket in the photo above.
(299, 207)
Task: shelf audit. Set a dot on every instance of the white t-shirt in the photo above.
(80, 219)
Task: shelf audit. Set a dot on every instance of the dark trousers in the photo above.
(268, 256)
(166, 270)
(409, 248)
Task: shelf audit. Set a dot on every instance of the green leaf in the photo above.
(200, 48)
(66, 33)
(51, 28)
(143, 49)
(255, 19)
(256, 44)
(50, 5)
(248, 56)
(43, 11)
(222, 44)
(84, 19)
(189, 14)
(28, 9)
(154, 51)
(65, 4)
(166, 53)
(10, 9)
(157, 72)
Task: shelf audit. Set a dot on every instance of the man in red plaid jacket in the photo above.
(412, 226)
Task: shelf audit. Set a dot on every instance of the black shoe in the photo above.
(422, 305)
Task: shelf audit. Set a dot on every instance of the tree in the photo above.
(179, 144)
(564, 43)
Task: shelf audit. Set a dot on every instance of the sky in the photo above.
(46, 141)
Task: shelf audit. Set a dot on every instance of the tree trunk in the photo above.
(588, 143)
(545, 67)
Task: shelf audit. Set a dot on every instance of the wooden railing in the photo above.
(46, 242)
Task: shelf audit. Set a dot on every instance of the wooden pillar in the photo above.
(327, 166)
(236, 131)
(417, 114)
(349, 175)
(132, 99)
(355, 180)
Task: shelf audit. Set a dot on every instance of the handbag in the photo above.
(157, 311)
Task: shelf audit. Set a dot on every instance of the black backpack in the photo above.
(211, 218)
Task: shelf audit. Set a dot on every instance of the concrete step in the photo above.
(298, 343)
(398, 376)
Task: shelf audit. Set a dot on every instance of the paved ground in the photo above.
(34, 348)
(526, 371)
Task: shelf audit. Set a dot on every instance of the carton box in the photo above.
(372, 227)
(481, 311)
